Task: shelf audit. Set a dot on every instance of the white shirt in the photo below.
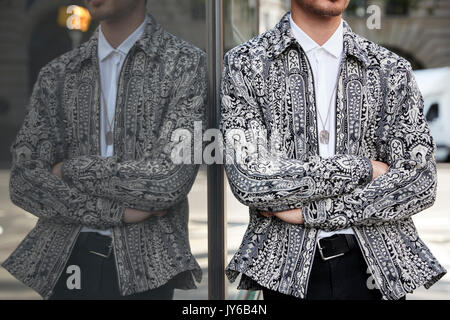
(110, 62)
(325, 61)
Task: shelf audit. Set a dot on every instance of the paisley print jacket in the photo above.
(162, 87)
(270, 129)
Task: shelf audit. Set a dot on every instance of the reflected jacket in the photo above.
(161, 88)
(269, 123)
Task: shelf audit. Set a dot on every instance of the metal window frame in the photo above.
(215, 173)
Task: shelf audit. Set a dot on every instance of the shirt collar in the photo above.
(105, 49)
(334, 45)
(281, 38)
(149, 42)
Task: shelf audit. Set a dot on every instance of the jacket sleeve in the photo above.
(155, 181)
(406, 189)
(36, 149)
(264, 178)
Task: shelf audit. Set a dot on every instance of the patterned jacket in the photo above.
(269, 116)
(162, 87)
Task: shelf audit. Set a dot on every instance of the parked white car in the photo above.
(435, 87)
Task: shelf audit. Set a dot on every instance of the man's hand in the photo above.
(294, 216)
(379, 168)
(56, 170)
(266, 213)
(136, 216)
(130, 215)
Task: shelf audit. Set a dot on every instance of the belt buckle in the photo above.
(106, 256)
(322, 255)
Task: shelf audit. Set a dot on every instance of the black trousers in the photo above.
(98, 274)
(341, 278)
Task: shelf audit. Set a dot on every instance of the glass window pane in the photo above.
(414, 30)
(125, 99)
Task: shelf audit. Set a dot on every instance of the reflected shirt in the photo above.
(110, 63)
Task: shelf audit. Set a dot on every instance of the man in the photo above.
(92, 161)
(328, 146)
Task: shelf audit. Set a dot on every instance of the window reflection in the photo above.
(105, 111)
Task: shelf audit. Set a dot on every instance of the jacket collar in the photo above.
(148, 42)
(282, 38)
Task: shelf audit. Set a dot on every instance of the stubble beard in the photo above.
(99, 14)
(312, 7)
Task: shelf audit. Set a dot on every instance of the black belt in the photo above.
(335, 246)
(96, 243)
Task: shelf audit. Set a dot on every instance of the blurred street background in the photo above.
(33, 32)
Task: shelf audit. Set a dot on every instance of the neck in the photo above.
(318, 28)
(118, 29)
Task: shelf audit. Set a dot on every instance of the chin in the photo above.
(98, 15)
(325, 8)
(98, 9)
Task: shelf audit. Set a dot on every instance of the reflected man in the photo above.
(93, 162)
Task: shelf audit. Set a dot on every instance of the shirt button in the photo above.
(320, 52)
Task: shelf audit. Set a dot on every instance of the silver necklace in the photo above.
(324, 135)
(109, 137)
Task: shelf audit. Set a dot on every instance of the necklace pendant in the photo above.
(109, 138)
(324, 137)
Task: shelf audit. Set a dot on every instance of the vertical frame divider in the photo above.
(215, 172)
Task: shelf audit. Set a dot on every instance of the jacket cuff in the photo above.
(315, 213)
(111, 212)
(363, 171)
(307, 218)
(68, 172)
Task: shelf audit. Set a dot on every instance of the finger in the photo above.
(160, 213)
(291, 216)
(266, 214)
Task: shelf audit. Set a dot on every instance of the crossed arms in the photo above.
(337, 192)
(90, 190)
